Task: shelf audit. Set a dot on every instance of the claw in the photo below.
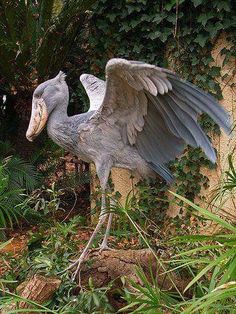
(104, 247)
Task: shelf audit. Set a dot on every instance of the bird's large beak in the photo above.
(38, 119)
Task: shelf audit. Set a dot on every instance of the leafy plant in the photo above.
(227, 185)
(38, 36)
(48, 252)
(208, 265)
(17, 177)
(7, 210)
(90, 301)
(36, 40)
(148, 297)
(45, 200)
(214, 276)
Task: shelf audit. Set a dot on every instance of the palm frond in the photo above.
(36, 38)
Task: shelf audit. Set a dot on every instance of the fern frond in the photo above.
(16, 176)
(22, 175)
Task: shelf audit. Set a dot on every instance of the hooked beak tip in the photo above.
(38, 119)
(30, 138)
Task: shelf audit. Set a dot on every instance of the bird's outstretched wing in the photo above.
(95, 89)
(157, 111)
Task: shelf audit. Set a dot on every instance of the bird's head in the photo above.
(46, 97)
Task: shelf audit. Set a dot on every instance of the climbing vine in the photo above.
(179, 34)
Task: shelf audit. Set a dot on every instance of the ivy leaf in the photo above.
(125, 27)
(159, 17)
(165, 33)
(170, 5)
(201, 40)
(207, 59)
(204, 17)
(214, 71)
(195, 60)
(134, 23)
(154, 35)
(132, 8)
(223, 5)
(213, 28)
(142, 1)
(171, 18)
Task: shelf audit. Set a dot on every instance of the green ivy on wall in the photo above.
(178, 34)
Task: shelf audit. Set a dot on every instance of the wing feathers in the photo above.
(193, 127)
(157, 111)
(95, 89)
(159, 84)
(203, 101)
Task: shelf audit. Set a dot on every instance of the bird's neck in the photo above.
(57, 121)
(59, 114)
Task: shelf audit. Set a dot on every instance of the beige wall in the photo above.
(224, 144)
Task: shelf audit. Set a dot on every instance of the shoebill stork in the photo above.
(140, 118)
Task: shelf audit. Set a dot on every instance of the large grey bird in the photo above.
(140, 118)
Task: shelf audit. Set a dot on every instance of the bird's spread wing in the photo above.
(95, 89)
(157, 111)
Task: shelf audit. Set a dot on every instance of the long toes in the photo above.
(73, 264)
(74, 275)
(104, 248)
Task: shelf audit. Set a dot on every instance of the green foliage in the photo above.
(16, 178)
(208, 264)
(49, 250)
(7, 211)
(90, 301)
(45, 200)
(152, 199)
(216, 292)
(226, 187)
(37, 36)
(148, 297)
(178, 34)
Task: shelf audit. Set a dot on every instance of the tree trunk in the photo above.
(112, 265)
(38, 289)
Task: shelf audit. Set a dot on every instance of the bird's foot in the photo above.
(77, 263)
(103, 248)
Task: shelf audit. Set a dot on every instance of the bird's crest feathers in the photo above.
(61, 76)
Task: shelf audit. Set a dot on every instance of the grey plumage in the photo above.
(140, 118)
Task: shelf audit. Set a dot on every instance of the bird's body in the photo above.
(141, 118)
(86, 138)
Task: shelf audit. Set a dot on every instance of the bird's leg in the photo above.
(101, 220)
(104, 245)
(103, 170)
